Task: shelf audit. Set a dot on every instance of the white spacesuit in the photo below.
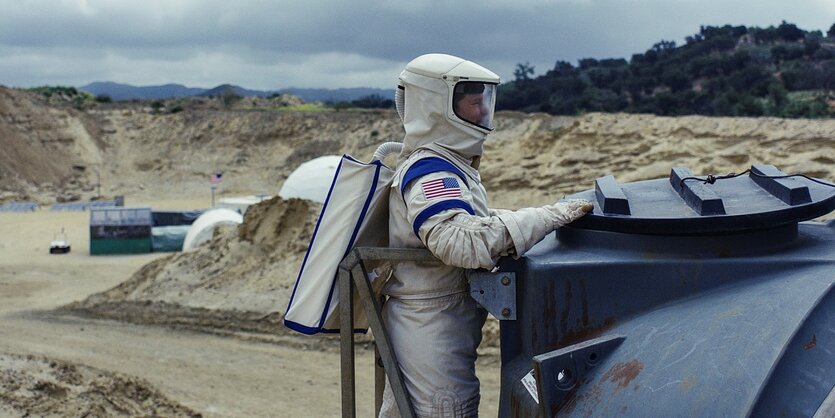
(437, 201)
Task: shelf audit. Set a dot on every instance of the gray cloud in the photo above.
(316, 43)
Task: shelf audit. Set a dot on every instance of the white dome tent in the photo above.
(204, 227)
(240, 204)
(311, 180)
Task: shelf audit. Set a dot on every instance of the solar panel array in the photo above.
(19, 207)
(82, 206)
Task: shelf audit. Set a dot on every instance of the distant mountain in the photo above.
(229, 88)
(118, 91)
(337, 95)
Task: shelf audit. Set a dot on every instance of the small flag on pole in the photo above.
(445, 187)
(216, 178)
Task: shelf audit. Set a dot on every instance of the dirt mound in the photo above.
(248, 268)
(281, 227)
(37, 386)
(533, 159)
(241, 279)
(46, 150)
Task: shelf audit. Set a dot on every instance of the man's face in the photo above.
(471, 108)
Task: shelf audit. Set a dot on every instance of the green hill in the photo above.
(722, 71)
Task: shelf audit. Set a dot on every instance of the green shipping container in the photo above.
(120, 246)
(120, 230)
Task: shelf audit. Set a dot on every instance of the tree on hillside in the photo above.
(789, 32)
(563, 68)
(675, 79)
(722, 70)
(710, 32)
(523, 71)
(373, 101)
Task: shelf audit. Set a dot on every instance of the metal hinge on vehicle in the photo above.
(496, 292)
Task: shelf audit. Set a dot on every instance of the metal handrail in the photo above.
(353, 276)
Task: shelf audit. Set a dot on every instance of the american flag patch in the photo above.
(445, 187)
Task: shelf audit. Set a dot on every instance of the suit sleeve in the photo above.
(445, 222)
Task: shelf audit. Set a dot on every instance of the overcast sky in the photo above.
(350, 43)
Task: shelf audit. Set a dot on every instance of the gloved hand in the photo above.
(566, 211)
(529, 225)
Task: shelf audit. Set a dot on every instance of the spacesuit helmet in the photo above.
(469, 89)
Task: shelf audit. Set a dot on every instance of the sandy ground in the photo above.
(39, 386)
(210, 374)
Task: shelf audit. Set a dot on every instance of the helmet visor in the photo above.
(474, 102)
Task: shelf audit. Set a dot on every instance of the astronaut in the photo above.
(438, 202)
